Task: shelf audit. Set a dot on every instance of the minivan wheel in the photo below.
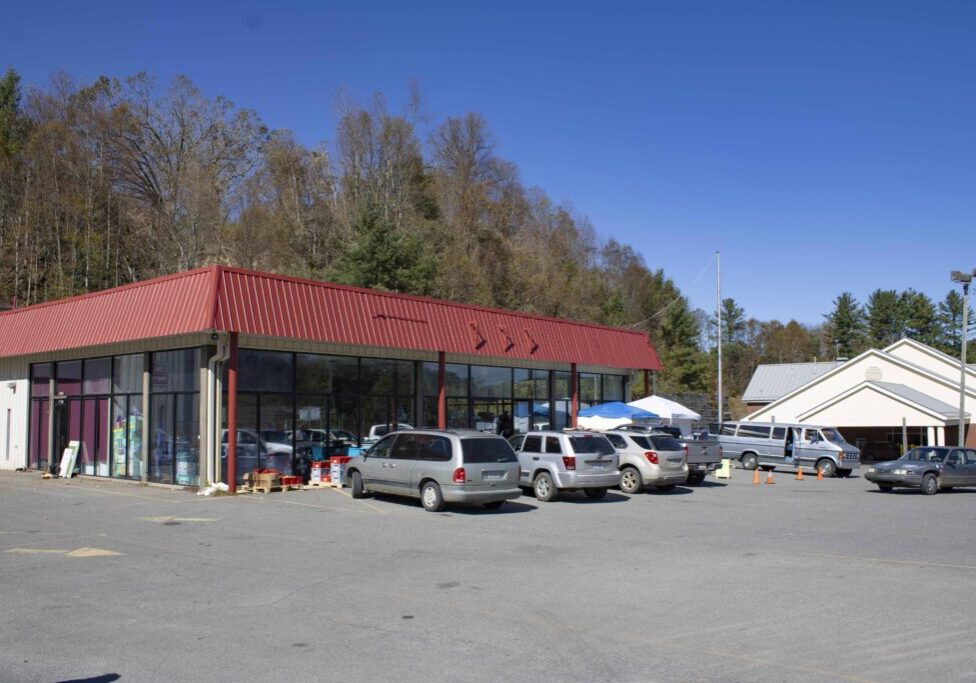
(749, 461)
(356, 484)
(545, 489)
(827, 468)
(431, 498)
(930, 484)
(595, 494)
(630, 480)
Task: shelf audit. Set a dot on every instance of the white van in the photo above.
(799, 446)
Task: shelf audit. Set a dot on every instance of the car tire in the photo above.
(494, 505)
(595, 494)
(930, 484)
(631, 480)
(664, 488)
(826, 468)
(886, 487)
(695, 478)
(750, 461)
(544, 487)
(356, 485)
(431, 497)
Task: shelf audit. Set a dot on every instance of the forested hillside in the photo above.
(121, 180)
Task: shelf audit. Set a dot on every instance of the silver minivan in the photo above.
(553, 461)
(438, 467)
(802, 446)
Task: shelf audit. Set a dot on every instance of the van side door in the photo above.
(375, 467)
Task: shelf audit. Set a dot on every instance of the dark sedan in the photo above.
(927, 468)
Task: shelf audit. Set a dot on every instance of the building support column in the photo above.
(574, 395)
(441, 391)
(232, 415)
(146, 375)
(930, 436)
(940, 436)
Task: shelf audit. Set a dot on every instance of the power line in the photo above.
(677, 298)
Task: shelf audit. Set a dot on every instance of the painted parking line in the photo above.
(78, 552)
(163, 519)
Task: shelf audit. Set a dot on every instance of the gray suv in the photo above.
(438, 467)
(565, 461)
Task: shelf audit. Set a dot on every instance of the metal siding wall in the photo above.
(15, 397)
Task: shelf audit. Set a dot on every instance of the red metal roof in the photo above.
(230, 299)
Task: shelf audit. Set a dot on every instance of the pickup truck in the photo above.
(704, 456)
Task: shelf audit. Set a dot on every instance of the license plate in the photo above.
(598, 464)
(493, 475)
(697, 467)
(674, 460)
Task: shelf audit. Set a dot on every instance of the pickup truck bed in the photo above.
(703, 457)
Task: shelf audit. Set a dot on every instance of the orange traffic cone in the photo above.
(819, 474)
(755, 476)
(769, 478)
(799, 474)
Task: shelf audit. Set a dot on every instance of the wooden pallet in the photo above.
(268, 489)
(322, 485)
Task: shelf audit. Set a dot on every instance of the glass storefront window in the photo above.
(187, 442)
(264, 371)
(491, 381)
(98, 376)
(378, 377)
(613, 388)
(68, 378)
(560, 387)
(455, 379)
(127, 374)
(275, 429)
(589, 387)
(40, 379)
(175, 371)
(161, 447)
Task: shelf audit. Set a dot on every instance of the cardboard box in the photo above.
(265, 479)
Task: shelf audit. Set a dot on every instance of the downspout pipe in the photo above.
(212, 428)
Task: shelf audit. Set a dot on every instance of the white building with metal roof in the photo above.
(906, 388)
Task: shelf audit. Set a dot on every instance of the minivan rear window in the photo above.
(591, 444)
(479, 451)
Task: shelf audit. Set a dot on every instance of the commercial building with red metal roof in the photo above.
(158, 380)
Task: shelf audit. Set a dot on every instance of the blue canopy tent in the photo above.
(619, 410)
(610, 415)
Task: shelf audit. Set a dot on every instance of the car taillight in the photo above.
(459, 475)
(685, 449)
(651, 457)
(569, 462)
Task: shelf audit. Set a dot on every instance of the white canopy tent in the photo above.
(671, 412)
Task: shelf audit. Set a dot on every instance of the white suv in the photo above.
(657, 460)
(551, 461)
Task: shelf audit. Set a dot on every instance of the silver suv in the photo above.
(438, 467)
(657, 460)
(565, 461)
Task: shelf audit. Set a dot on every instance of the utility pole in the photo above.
(965, 279)
(718, 312)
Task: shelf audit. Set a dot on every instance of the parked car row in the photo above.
(441, 467)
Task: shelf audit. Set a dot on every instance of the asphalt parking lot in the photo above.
(801, 580)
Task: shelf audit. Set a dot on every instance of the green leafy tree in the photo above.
(847, 325)
(885, 317)
(379, 256)
(734, 323)
(10, 116)
(919, 317)
(949, 321)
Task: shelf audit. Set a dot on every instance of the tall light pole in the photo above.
(965, 279)
(718, 314)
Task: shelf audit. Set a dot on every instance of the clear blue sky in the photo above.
(821, 146)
